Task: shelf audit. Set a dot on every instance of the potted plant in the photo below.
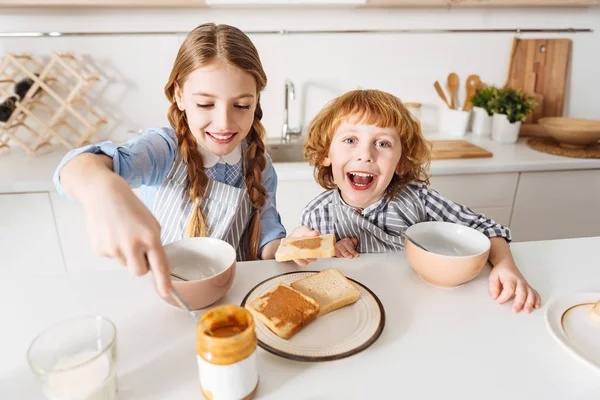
(482, 102)
(510, 108)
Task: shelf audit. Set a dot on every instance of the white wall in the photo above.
(321, 66)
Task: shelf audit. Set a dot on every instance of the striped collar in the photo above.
(379, 204)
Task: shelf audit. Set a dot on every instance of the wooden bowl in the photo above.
(572, 132)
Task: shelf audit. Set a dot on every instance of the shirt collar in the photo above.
(363, 211)
(211, 159)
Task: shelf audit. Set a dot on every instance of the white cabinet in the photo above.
(478, 190)
(292, 197)
(28, 239)
(517, 3)
(257, 3)
(75, 240)
(101, 3)
(478, 3)
(488, 194)
(557, 205)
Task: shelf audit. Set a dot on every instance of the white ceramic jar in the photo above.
(454, 122)
(503, 131)
(481, 124)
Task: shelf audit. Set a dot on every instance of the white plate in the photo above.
(338, 334)
(570, 323)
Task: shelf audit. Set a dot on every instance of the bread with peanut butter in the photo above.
(330, 288)
(284, 310)
(595, 312)
(293, 248)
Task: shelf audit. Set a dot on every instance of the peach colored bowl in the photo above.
(208, 263)
(572, 132)
(456, 253)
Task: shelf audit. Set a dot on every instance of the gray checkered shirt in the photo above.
(413, 204)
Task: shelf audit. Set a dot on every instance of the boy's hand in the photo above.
(346, 248)
(304, 231)
(506, 281)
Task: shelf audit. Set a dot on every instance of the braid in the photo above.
(254, 164)
(197, 178)
(203, 45)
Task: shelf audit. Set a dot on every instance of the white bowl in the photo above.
(208, 264)
(455, 253)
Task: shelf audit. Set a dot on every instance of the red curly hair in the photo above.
(370, 107)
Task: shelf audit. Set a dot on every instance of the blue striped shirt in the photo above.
(145, 161)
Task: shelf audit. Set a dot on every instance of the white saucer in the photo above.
(570, 323)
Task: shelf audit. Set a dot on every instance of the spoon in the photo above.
(440, 92)
(181, 278)
(183, 305)
(414, 242)
(471, 86)
(453, 89)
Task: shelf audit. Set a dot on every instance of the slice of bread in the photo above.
(330, 288)
(595, 312)
(284, 310)
(293, 248)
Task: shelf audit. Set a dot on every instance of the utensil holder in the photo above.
(454, 122)
(481, 124)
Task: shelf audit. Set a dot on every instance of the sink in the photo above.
(285, 152)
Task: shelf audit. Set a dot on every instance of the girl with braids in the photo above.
(205, 175)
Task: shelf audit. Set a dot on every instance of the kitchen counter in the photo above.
(506, 158)
(20, 173)
(437, 343)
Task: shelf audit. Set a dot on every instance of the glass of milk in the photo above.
(76, 359)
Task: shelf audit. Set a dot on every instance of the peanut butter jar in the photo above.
(227, 356)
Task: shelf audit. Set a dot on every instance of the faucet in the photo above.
(286, 131)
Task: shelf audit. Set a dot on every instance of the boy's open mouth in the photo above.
(359, 180)
(221, 137)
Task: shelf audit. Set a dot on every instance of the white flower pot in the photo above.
(503, 131)
(482, 122)
(454, 122)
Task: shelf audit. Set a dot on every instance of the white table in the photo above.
(437, 343)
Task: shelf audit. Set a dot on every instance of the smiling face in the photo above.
(363, 160)
(219, 101)
(366, 144)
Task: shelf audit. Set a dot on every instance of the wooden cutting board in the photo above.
(540, 68)
(451, 149)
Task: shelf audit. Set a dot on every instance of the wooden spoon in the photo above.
(453, 83)
(440, 92)
(472, 85)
